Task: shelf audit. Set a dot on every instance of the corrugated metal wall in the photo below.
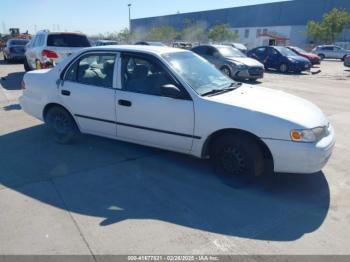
(297, 12)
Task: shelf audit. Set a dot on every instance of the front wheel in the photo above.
(62, 125)
(283, 68)
(237, 156)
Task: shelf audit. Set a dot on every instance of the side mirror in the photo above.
(171, 91)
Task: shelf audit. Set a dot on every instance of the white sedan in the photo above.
(175, 100)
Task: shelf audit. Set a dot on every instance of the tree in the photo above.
(329, 29)
(193, 32)
(221, 33)
(162, 33)
(123, 36)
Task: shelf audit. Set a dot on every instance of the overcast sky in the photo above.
(96, 16)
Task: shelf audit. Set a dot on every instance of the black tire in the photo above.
(343, 59)
(226, 71)
(62, 125)
(283, 68)
(5, 58)
(322, 56)
(26, 65)
(238, 156)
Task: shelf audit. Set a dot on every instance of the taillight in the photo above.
(23, 85)
(49, 54)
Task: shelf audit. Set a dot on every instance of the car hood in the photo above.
(274, 103)
(309, 55)
(245, 60)
(300, 58)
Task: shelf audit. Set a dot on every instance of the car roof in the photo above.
(156, 50)
(105, 41)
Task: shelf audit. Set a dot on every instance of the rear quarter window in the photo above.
(67, 40)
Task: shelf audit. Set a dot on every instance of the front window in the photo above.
(143, 75)
(19, 42)
(228, 51)
(197, 72)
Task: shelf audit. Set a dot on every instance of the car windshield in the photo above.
(285, 51)
(298, 49)
(197, 72)
(19, 42)
(228, 51)
(68, 40)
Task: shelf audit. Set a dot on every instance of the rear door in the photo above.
(89, 94)
(259, 54)
(143, 114)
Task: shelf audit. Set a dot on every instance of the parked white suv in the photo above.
(173, 99)
(331, 51)
(46, 49)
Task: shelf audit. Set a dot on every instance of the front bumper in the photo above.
(301, 158)
(250, 73)
(299, 66)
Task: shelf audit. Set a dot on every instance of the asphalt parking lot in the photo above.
(100, 196)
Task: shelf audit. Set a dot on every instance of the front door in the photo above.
(143, 114)
(88, 93)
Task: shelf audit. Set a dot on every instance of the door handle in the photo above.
(124, 103)
(65, 92)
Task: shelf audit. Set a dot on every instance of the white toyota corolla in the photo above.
(173, 99)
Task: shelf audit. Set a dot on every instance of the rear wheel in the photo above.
(343, 59)
(237, 156)
(62, 125)
(322, 56)
(283, 68)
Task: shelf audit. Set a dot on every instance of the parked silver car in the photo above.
(46, 49)
(231, 61)
(331, 51)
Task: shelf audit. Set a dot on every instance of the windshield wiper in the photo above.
(231, 87)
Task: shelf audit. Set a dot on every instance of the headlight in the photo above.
(309, 135)
(292, 60)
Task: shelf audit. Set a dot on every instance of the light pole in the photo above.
(129, 5)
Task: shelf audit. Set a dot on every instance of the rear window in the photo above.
(19, 42)
(68, 40)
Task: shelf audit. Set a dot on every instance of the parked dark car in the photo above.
(105, 42)
(150, 43)
(231, 61)
(15, 49)
(182, 45)
(280, 58)
(314, 59)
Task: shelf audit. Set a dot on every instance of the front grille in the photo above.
(256, 71)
